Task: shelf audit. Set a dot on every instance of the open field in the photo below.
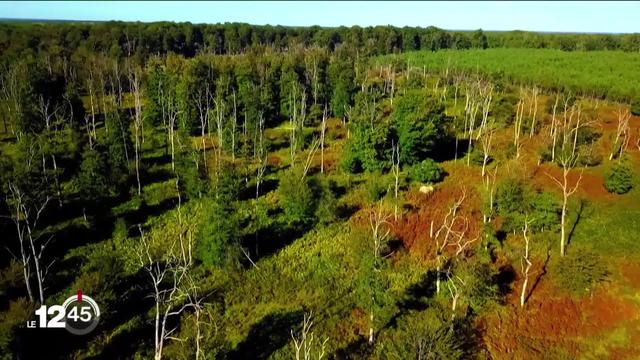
(601, 74)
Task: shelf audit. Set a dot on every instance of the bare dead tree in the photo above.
(202, 104)
(380, 230)
(554, 128)
(167, 274)
(490, 184)
(534, 99)
(172, 117)
(472, 105)
(312, 151)
(91, 127)
(525, 261)
(136, 89)
(305, 344)
(518, 123)
(12, 96)
(454, 291)
(395, 169)
(622, 133)
(487, 139)
(261, 156)
(234, 124)
(25, 215)
(445, 233)
(322, 136)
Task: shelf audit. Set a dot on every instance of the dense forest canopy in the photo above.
(233, 191)
(120, 39)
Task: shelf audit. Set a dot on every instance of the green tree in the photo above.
(93, 178)
(341, 78)
(619, 179)
(419, 123)
(427, 171)
(296, 199)
(218, 243)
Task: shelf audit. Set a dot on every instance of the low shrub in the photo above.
(428, 171)
(580, 271)
(619, 179)
(376, 188)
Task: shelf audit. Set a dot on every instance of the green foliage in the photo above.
(296, 199)
(580, 271)
(193, 176)
(327, 203)
(341, 78)
(351, 161)
(118, 145)
(477, 157)
(217, 243)
(427, 171)
(550, 69)
(504, 109)
(424, 335)
(93, 178)
(510, 195)
(635, 107)
(369, 145)
(15, 316)
(545, 211)
(479, 290)
(619, 179)
(517, 203)
(419, 122)
(377, 187)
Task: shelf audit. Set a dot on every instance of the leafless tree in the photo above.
(454, 291)
(446, 233)
(312, 151)
(518, 124)
(622, 133)
(554, 127)
(172, 118)
(322, 136)
(201, 98)
(91, 126)
(380, 230)
(136, 89)
(567, 159)
(525, 262)
(305, 344)
(168, 273)
(25, 215)
(395, 169)
(533, 108)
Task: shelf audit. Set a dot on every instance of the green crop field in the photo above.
(605, 74)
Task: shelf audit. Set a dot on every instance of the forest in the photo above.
(231, 191)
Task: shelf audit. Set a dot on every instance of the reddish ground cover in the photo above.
(553, 321)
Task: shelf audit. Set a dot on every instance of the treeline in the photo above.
(563, 41)
(120, 39)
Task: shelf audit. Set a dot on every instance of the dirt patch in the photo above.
(591, 185)
(273, 160)
(551, 321)
(417, 229)
(631, 272)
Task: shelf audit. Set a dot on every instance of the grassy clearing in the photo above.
(610, 227)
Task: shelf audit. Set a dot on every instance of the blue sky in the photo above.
(584, 16)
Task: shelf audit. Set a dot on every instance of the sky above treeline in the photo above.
(551, 16)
